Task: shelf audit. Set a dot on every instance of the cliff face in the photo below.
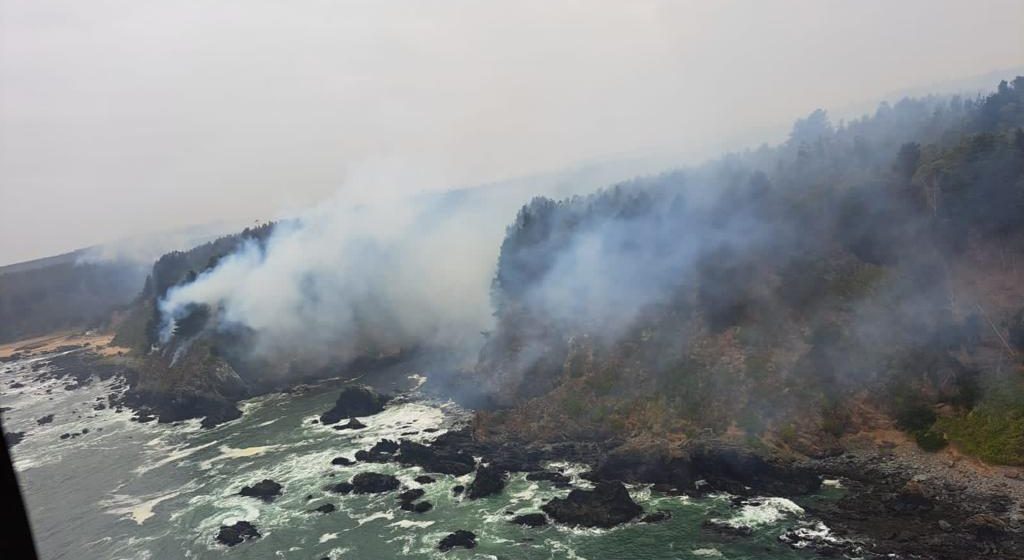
(788, 293)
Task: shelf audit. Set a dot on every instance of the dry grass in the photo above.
(99, 343)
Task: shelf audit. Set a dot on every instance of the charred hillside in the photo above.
(866, 272)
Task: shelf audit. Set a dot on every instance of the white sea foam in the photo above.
(174, 455)
(764, 511)
(706, 552)
(227, 452)
(337, 553)
(140, 511)
(389, 515)
(418, 379)
(327, 537)
(409, 523)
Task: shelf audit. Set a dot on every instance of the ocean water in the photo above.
(148, 491)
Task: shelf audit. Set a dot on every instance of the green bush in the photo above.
(835, 419)
(992, 432)
(915, 416)
(930, 440)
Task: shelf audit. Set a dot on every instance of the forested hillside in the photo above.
(38, 298)
(860, 273)
(139, 330)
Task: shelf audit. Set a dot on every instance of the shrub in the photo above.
(930, 440)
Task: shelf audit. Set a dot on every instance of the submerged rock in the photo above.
(724, 528)
(489, 480)
(411, 495)
(607, 505)
(265, 490)
(464, 539)
(419, 507)
(372, 483)
(231, 535)
(558, 479)
(531, 520)
(357, 400)
(325, 508)
(45, 419)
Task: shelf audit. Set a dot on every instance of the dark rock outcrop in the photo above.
(419, 507)
(489, 480)
(656, 517)
(464, 539)
(373, 483)
(425, 479)
(985, 526)
(607, 505)
(352, 424)
(342, 461)
(341, 488)
(265, 490)
(654, 466)
(13, 438)
(434, 459)
(382, 452)
(411, 495)
(723, 467)
(741, 471)
(357, 400)
(45, 419)
(231, 535)
(531, 519)
(913, 498)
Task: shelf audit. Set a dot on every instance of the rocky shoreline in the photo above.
(897, 502)
(904, 502)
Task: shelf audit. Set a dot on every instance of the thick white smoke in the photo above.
(346, 279)
(342, 279)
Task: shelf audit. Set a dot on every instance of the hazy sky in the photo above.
(123, 117)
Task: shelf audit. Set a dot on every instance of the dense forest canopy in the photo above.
(63, 293)
(879, 254)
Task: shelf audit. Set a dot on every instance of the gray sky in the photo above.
(124, 117)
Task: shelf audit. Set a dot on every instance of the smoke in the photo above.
(142, 250)
(351, 278)
(346, 279)
(821, 258)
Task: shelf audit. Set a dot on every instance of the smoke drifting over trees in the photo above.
(775, 286)
(765, 288)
